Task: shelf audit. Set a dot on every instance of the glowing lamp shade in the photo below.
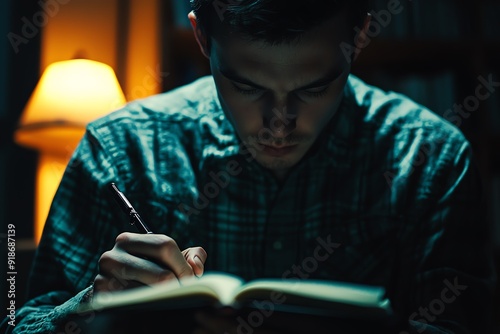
(69, 95)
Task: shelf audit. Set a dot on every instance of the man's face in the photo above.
(280, 97)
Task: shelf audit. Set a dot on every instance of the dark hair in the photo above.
(274, 21)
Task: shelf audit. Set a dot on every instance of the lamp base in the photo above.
(50, 170)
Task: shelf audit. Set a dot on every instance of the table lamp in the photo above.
(69, 94)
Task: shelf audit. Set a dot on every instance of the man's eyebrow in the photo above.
(232, 75)
(329, 77)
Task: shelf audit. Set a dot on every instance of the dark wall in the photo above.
(19, 73)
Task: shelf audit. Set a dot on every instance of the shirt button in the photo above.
(277, 245)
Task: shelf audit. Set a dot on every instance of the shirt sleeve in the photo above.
(79, 228)
(46, 313)
(451, 276)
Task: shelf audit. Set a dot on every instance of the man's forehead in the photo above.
(334, 30)
(241, 51)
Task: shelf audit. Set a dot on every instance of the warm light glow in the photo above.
(49, 173)
(69, 95)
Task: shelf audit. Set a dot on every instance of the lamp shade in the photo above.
(69, 95)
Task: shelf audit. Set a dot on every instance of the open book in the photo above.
(219, 290)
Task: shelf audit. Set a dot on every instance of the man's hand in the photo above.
(143, 259)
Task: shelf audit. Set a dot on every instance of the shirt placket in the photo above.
(280, 244)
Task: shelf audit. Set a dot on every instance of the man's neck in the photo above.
(281, 175)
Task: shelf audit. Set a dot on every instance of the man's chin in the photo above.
(277, 164)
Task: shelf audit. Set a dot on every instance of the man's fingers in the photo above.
(196, 257)
(197, 265)
(145, 259)
(105, 284)
(158, 248)
(119, 270)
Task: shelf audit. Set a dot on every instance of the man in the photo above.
(248, 170)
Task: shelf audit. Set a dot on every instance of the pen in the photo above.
(125, 205)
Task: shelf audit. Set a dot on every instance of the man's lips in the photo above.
(277, 151)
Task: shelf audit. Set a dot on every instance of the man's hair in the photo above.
(273, 21)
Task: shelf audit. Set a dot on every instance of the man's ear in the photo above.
(362, 40)
(199, 35)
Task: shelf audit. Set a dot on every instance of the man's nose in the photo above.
(281, 120)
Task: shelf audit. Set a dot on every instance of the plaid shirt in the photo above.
(388, 195)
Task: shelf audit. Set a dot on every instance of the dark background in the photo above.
(433, 51)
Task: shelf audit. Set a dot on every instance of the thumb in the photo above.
(196, 257)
